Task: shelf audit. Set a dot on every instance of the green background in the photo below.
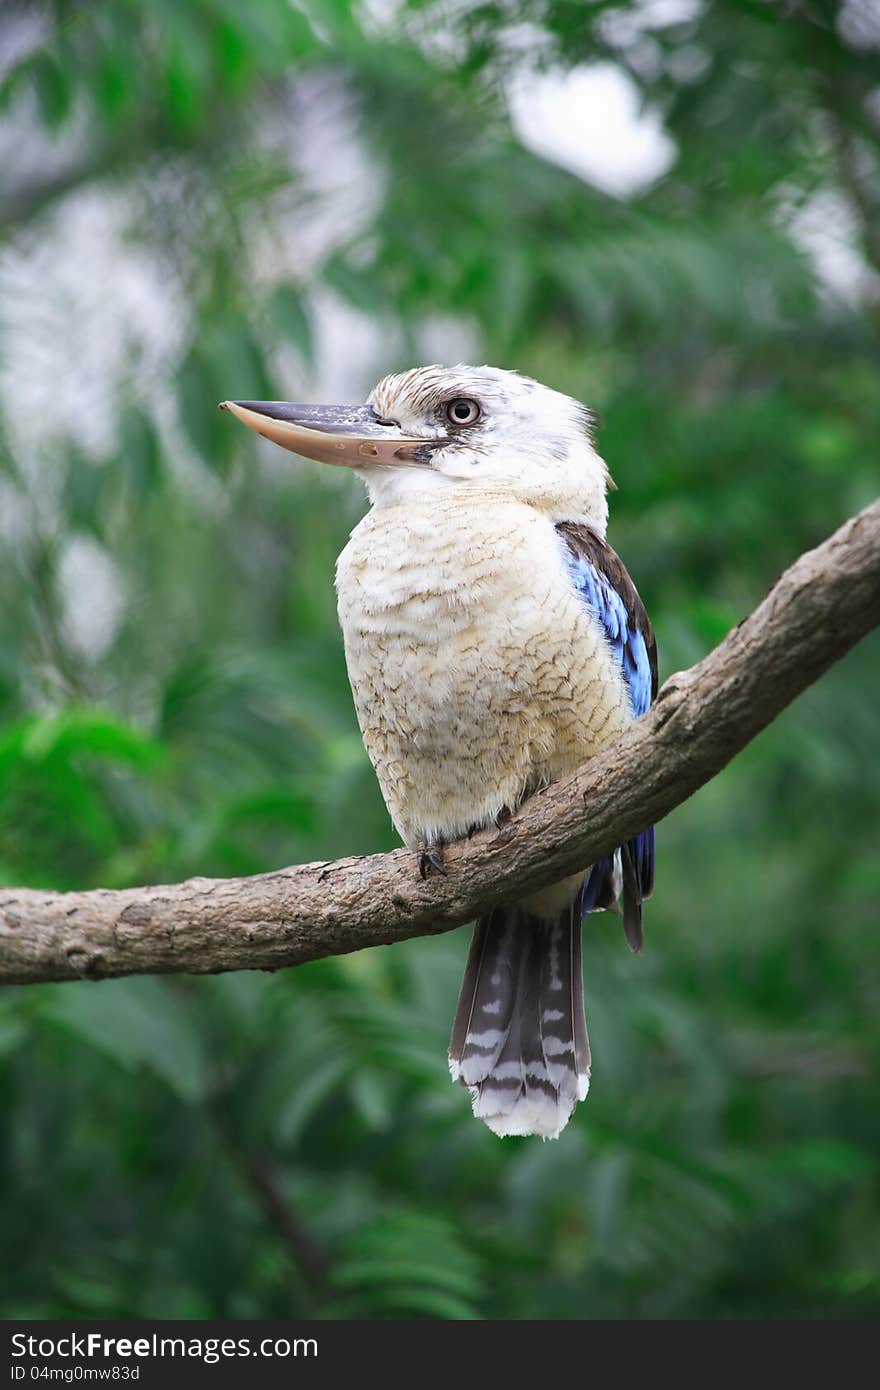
(173, 698)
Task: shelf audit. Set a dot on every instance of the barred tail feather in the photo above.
(519, 1041)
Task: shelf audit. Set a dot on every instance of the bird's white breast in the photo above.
(478, 672)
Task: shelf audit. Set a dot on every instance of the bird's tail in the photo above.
(519, 1041)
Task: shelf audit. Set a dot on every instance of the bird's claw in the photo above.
(432, 858)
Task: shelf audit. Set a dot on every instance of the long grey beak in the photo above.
(351, 435)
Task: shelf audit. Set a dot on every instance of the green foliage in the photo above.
(255, 1146)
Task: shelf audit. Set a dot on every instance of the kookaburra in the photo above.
(494, 643)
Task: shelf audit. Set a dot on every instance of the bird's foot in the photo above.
(432, 858)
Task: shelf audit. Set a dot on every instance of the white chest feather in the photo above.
(478, 672)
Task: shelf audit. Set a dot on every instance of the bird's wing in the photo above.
(601, 579)
(603, 583)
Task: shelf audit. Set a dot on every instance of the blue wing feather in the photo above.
(625, 637)
(605, 587)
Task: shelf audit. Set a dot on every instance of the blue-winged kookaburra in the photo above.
(494, 643)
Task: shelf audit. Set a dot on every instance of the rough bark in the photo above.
(816, 611)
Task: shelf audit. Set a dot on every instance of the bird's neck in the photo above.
(461, 504)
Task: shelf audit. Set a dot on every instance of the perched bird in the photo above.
(494, 643)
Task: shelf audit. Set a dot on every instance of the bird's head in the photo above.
(462, 427)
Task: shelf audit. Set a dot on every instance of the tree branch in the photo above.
(816, 611)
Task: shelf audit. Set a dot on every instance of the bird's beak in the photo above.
(351, 435)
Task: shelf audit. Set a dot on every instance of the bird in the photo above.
(494, 643)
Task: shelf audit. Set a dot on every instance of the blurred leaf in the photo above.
(53, 89)
(139, 1024)
(85, 731)
(411, 1263)
(139, 451)
(83, 493)
(288, 313)
(198, 397)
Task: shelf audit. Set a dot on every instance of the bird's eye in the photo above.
(462, 411)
